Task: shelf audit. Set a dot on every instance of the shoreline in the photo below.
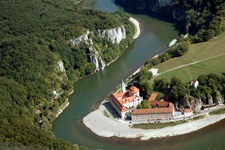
(112, 127)
(67, 104)
(137, 34)
(137, 27)
(61, 110)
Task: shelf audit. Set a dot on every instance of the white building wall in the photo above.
(134, 103)
(151, 117)
(187, 114)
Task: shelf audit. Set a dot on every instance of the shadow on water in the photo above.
(166, 18)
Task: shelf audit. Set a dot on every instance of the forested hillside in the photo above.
(34, 41)
(201, 19)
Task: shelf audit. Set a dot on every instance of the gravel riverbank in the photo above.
(104, 126)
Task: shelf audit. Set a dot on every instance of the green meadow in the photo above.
(197, 52)
(215, 65)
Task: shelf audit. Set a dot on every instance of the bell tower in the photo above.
(123, 87)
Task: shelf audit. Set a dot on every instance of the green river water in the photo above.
(90, 91)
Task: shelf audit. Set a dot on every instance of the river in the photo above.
(91, 90)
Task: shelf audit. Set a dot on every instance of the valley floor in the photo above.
(111, 126)
(101, 124)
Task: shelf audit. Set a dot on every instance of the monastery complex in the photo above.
(125, 103)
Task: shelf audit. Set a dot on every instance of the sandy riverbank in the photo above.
(137, 26)
(109, 127)
(61, 110)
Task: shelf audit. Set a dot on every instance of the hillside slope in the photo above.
(39, 63)
(202, 19)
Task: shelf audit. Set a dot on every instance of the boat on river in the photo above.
(173, 42)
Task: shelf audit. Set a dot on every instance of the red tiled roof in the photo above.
(119, 94)
(187, 110)
(159, 103)
(158, 110)
(152, 111)
(133, 89)
(152, 97)
(120, 98)
(117, 103)
(127, 99)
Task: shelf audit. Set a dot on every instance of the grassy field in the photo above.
(106, 114)
(147, 126)
(215, 65)
(218, 112)
(197, 52)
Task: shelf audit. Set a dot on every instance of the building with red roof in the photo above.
(161, 110)
(125, 102)
(195, 83)
(188, 112)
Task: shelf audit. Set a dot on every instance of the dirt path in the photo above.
(181, 66)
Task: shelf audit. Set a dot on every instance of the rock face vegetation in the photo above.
(202, 19)
(39, 63)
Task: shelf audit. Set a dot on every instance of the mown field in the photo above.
(197, 52)
(215, 65)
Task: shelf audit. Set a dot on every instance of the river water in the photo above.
(90, 91)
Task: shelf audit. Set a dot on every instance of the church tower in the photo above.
(123, 87)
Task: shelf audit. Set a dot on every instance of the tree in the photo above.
(202, 79)
(32, 42)
(161, 83)
(145, 74)
(174, 82)
(179, 91)
(145, 104)
(195, 92)
(146, 88)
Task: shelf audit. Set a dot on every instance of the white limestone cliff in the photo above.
(60, 77)
(114, 35)
(61, 66)
(96, 59)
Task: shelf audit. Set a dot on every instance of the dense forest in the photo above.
(34, 38)
(211, 86)
(183, 94)
(201, 19)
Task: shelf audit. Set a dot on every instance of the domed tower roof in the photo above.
(133, 89)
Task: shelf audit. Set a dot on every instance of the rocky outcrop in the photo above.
(61, 69)
(114, 35)
(96, 58)
(83, 38)
(60, 78)
(61, 66)
(195, 104)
